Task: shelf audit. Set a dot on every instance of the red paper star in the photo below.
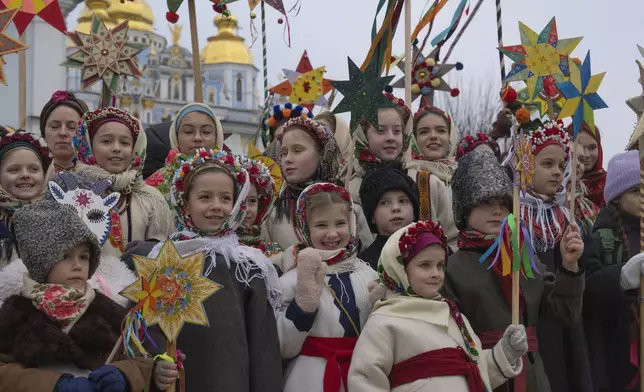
(7, 44)
(48, 10)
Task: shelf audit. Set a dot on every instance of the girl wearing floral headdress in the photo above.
(309, 154)
(326, 300)
(23, 162)
(110, 144)
(195, 126)
(239, 352)
(261, 196)
(340, 129)
(58, 122)
(275, 121)
(415, 340)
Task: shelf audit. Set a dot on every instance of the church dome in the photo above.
(137, 12)
(226, 47)
(91, 8)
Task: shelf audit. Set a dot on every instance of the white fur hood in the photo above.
(110, 278)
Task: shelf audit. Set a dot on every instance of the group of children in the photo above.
(376, 286)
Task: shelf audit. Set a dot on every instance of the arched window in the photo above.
(176, 90)
(239, 88)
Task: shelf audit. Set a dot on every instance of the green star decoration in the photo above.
(363, 94)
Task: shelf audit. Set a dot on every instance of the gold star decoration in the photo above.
(523, 162)
(7, 44)
(171, 290)
(104, 55)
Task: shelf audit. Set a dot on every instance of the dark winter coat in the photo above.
(30, 341)
(609, 318)
(481, 299)
(239, 351)
(371, 255)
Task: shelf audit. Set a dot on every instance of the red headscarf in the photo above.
(595, 179)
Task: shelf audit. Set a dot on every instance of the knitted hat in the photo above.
(61, 98)
(45, 232)
(623, 174)
(377, 182)
(478, 178)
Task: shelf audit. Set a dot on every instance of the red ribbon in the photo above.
(337, 352)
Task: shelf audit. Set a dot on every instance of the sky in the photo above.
(332, 30)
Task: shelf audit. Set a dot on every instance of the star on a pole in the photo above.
(7, 44)
(104, 55)
(48, 10)
(363, 94)
(581, 95)
(305, 86)
(539, 56)
(637, 103)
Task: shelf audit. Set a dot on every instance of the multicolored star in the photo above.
(7, 44)
(539, 57)
(48, 10)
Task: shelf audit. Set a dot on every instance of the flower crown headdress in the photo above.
(413, 233)
(260, 176)
(20, 135)
(549, 133)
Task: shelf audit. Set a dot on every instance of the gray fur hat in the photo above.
(478, 178)
(45, 232)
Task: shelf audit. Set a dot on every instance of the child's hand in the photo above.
(376, 292)
(514, 343)
(572, 246)
(166, 373)
(310, 280)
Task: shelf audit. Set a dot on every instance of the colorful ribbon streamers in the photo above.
(513, 257)
(134, 331)
(428, 18)
(381, 39)
(444, 35)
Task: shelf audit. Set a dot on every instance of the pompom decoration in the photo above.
(389, 89)
(253, 15)
(435, 83)
(430, 62)
(172, 17)
(454, 92)
(459, 66)
(522, 115)
(280, 21)
(509, 95)
(415, 89)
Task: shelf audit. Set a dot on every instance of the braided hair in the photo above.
(620, 232)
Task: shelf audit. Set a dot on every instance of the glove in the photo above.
(376, 292)
(310, 280)
(514, 343)
(631, 272)
(69, 383)
(107, 379)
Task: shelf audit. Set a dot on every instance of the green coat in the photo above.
(480, 298)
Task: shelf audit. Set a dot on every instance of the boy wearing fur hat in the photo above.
(58, 333)
(482, 199)
(390, 202)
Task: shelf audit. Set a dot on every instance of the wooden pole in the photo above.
(408, 59)
(573, 181)
(516, 276)
(171, 350)
(641, 148)
(22, 85)
(196, 59)
(115, 350)
(106, 96)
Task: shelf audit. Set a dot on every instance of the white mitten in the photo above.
(310, 280)
(376, 292)
(631, 272)
(514, 343)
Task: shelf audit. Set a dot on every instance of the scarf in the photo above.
(442, 168)
(476, 241)
(595, 179)
(195, 107)
(545, 217)
(585, 210)
(63, 304)
(130, 181)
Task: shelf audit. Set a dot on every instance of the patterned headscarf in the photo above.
(301, 225)
(401, 247)
(190, 108)
(188, 168)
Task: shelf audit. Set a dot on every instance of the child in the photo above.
(433, 131)
(58, 122)
(340, 129)
(275, 120)
(309, 154)
(374, 146)
(585, 210)
(239, 352)
(110, 145)
(478, 141)
(390, 202)
(594, 175)
(85, 196)
(325, 299)
(563, 349)
(195, 126)
(482, 195)
(611, 319)
(258, 206)
(58, 333)
(23, 162)
(415, 340)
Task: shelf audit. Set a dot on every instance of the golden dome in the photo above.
(226, 47)
(93, 7)
(137, 12)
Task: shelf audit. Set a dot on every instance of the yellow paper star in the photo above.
(176, 289)
(523, 160)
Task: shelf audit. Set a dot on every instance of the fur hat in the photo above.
(45, 232)
(377, 182)
(479, 177)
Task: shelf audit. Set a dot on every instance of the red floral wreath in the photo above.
(21, 136)
(413, 233)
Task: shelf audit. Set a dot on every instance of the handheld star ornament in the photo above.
(48, 10)
(427, 76)
(273, 167)
(539, 57)
(7, 44)
(581, 95)
(523, 162)
(104, 55)
(305, 86)
(637, 103)
(171, 290)
(363, 94)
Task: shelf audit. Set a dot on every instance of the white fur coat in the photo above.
(110, 278)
